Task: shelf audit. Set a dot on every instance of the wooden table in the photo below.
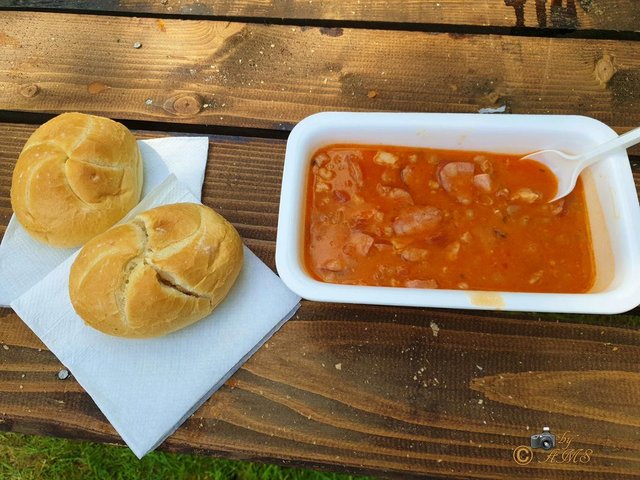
(397, 392)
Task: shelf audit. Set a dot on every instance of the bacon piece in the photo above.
(452, 250)
(394, 193)
(525, 195)
(407, 174)
(355, 172)
(557, 207)
(413, 254)
(341, 196)
(386, 159)
(430, 283)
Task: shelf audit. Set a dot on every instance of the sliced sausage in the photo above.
(457, 179)
(360, 243)
(483, 182)
(334, 265)
(416, 220)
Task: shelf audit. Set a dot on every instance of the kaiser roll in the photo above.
(77, 175)
(165, 269)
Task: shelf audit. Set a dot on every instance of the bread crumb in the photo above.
(338, 366)
(434, 328)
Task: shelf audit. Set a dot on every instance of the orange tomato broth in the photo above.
(422, 218)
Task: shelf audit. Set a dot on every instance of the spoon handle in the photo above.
(623, 141)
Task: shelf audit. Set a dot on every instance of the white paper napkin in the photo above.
(24, 261)
(147, 388)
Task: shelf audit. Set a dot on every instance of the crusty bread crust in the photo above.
(166, 269)
(77, 175)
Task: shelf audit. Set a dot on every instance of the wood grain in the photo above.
(371, 389)
(242, 182)
(615, 15)
(368, 389)
(270, 77)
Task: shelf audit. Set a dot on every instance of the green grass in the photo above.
(26, 457)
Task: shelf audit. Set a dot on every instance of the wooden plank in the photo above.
(242, 182)
(269, 77)
(369, 389)
(290, 402)
(614, 15)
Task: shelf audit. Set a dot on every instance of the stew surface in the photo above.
(421, 218)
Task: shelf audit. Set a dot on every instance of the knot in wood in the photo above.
(184, 105)
(605, 69)
(29, 90)
(97, 87)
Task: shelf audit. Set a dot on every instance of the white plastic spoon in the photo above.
(566, 168)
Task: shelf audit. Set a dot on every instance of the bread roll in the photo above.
(77, 175)
(165, 269)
